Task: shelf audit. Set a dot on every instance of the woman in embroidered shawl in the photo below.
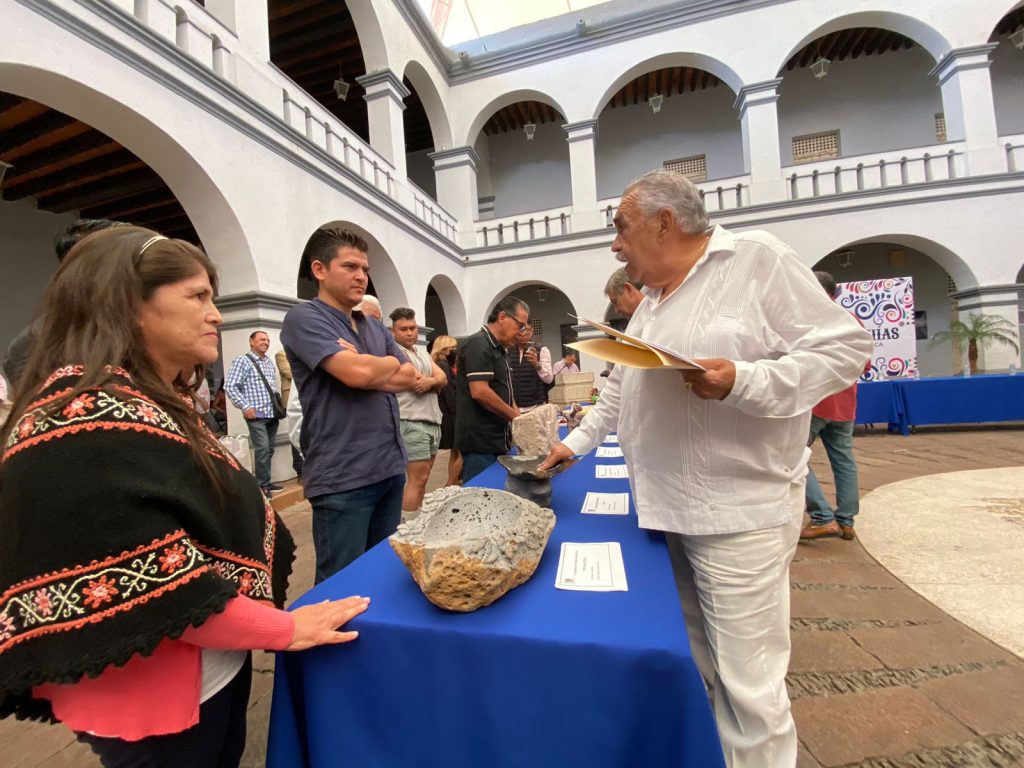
(139, 564)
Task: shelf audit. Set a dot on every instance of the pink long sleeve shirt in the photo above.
(159, 694)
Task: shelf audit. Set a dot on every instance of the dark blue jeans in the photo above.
(837, 437)
(262, 432)
(475, 463)
(347, 524)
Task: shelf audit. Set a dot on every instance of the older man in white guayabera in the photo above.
(717, 457)
(370, 306)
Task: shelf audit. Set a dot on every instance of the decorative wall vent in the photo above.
(940, 128)
(816, 146)
(695, 168)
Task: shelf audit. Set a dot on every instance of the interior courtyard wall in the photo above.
(1007, 72)
(421, 171)
(26, 262)
(877, 102)
(633, 140)
(529, 175)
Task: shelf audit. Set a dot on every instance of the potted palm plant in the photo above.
(978, 330)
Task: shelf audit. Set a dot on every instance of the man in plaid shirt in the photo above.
(250, 395)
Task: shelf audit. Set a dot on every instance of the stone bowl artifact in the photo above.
(526, 466)
(469, 546)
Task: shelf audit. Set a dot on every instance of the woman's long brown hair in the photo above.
(90, 317)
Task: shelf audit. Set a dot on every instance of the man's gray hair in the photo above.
(618, 281)
(657, 190)
(368, 300)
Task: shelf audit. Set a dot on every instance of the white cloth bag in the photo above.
(238, 446)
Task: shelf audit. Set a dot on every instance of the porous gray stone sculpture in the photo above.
(469, 546)
(536, 431)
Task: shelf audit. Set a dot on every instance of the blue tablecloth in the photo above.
(881, 402)
(903, 403)
(964, 400)
(542, 677)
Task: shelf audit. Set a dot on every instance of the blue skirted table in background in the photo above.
(903, 403)
(542, 677)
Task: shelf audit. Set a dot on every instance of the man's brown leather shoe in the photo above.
(812, 531)
(846, 531)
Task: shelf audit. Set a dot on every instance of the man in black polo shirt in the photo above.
(484, 405)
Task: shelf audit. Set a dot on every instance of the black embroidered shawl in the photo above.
(112, 538)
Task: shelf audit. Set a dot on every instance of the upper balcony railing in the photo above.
(718, 195)
(194, 31)
(1014, 146)
(899, 168)
(524, 227)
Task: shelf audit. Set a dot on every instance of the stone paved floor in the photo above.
(880, 678)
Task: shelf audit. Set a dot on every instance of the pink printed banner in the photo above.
(886, 308)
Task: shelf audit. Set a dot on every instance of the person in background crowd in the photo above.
(347, 369)
(624, 294)
(370, 307)
(420, 412)
(283, 368)
(484, 406)
(530, 366)
(250, 385)
(566, 365)
(717, 456)
(139, 564)
(832, 419)
(20, 348)
(219, 409)
(444, 353)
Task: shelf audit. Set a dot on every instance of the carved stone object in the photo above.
(469, 546)
(536, 432)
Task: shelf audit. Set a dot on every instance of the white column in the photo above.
(385, 102)
(582, 137)
(762, 158)
(248, 19)
(244, 313)
(969, 108)
(455, 174)
(1000, 301)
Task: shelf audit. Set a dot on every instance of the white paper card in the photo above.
(608, 452)
(612, 439)
(605, 504)
(611, 471)
(594, 567)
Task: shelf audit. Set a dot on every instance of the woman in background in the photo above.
(139, 564)
(443, 353)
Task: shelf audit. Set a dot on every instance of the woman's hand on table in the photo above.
(318, 624)
(559, 453)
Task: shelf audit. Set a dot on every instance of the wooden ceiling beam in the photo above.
(694, 72)
(851, 44)
(101, 191)
(335, 52)
(78, 136)
(284, 26)
(874, 41)
(30, 130)
(336, 30)
(836, 43)
(70, 180)
(8, 101)
(48, 163)
(123, 208)
(282, 9)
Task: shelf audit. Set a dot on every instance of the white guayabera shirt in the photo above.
(708, 466)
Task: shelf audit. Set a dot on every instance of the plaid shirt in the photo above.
(245, 388)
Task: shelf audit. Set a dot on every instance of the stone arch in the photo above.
(210, 212)
(722, 71)
(437, 115)
(386, 282)
(452, 303)
(499, 102)
(934, 42)
(370, 34)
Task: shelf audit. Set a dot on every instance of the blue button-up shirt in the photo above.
(350, 437)
(245, 387)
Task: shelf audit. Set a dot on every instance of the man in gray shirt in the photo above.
(420, 412)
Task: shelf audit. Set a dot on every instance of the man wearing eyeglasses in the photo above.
(484, 404)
